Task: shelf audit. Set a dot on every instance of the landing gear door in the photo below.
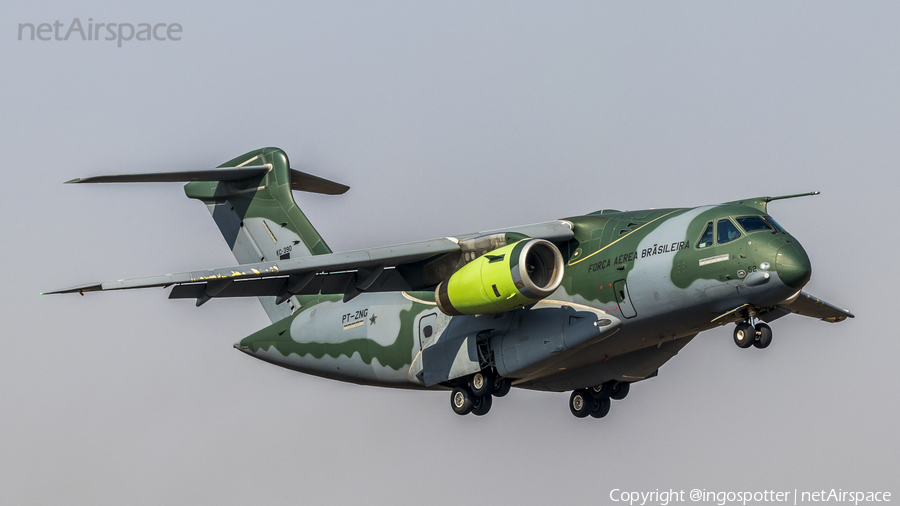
(624, 299)
(427, 328)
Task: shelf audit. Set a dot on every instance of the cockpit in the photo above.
(729, 229)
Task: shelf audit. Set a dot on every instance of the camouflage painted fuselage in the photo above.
(657, 274)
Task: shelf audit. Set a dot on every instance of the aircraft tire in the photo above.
(481, 384)
(620, 390)
(501, 386)
(764, 336)
(482, 405)
(744, 335)
(601, 407)
(602, 391)
(581, 403)
(461, 400)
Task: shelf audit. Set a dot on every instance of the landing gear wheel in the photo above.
(602, 391)
(461, 400)
(763, 335)
(482, 405)
(601, 407)
(620, 390)
(481, 383)
(581, 403)
(501, 386)
(744, 335)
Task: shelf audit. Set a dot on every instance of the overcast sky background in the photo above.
(444, 118)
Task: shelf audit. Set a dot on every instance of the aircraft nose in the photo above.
(792, 265)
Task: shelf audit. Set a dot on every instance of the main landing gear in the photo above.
(477, 394)
(746, 335)
(595, 401)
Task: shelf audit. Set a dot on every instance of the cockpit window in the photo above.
(726, 232)
(753, 223)
(775, 224)
(707, 238)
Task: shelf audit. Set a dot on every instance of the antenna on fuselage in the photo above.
(770, 199)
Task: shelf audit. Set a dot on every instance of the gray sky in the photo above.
(444, 118)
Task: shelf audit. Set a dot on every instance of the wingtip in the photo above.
(76, 180)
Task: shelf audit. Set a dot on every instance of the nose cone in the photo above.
(792, 265)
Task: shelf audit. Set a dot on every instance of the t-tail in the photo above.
(250, 198)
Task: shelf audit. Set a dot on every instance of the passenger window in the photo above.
(726, 232)
(752, 223)
(707, 238)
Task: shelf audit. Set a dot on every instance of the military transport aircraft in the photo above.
(588, 304)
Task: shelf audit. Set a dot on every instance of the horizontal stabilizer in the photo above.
(300, 181)
(184, 176)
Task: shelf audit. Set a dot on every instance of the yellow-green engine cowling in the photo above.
(506, 278)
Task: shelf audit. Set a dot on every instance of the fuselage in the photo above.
(663, 275)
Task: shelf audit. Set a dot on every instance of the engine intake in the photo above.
(506, 278)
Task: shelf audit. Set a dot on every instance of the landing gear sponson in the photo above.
(595, 401)
(476, 394)
(746, 334)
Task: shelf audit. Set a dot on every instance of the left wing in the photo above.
(804, 304)
(808, 305)
(411, 266)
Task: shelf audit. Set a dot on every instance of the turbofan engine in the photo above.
(506, 278)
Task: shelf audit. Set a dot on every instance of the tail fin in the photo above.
(258, 216)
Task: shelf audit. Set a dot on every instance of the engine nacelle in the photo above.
(506, 278)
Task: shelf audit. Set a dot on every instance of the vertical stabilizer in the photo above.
(259, 218)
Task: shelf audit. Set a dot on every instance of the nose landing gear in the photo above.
(746, 335)
(763, 335)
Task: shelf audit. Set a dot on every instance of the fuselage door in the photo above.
(624, 299)
(426, 328)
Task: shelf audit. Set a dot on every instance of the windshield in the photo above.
(726, 231)
(775, 224)
(707, 238)
(753, 223)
